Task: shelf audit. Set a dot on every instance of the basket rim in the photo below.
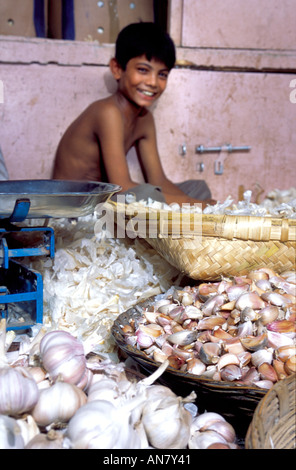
(224, 226)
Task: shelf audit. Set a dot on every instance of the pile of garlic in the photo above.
(277, 203)
(53, 397)
(93, 278)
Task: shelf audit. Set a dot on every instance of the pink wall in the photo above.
(231, 96)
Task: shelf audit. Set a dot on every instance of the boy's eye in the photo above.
(163, 75)
(142, 70)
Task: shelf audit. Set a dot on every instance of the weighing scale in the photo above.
(21, 288)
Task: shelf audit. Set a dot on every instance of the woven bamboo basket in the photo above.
(274, 422)
(206, 246)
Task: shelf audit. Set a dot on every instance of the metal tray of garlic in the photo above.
(233, 339)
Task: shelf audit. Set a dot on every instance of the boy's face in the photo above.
(143, 80)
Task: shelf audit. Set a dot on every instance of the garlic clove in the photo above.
(160, 303)
(277, 340)
(261, 356)
(244, 329)
(209, 353)
(211, 322)
(182, 338)
(153, 329)
(219, 333)
(229, 305)
(281, 326)
(267, 372)
(280, 369)
(250, 376)
(234, 347)
(257, 275)
(187, 298)
(251, 300)
(268, 314)
(227, 359)
(195, 366)
(159, 356)
(212, 305)
(276, 299)
(290, 365)
(193, 312)
(231, 373)
(244, 358)
(264, 384)
(254, 343)
(284, 352)
(163, 320)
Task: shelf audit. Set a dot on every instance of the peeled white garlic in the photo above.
(18, 391)
(101, 425)
(58, 403)
(63, 356)
(10, 433)
(51, 440)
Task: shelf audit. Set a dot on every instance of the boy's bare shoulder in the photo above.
(105, 107)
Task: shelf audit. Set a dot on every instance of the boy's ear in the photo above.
(115, 68)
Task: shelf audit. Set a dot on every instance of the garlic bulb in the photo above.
(104, 389)
(18, 391)
(10, 433)
(52, 440)
(202, 440)
(58, 403)
(210, 428)
(101, 425)
(167, 423)
(63, 355)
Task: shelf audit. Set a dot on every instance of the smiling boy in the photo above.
(95, 145)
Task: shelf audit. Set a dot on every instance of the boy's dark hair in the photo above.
(147, 39)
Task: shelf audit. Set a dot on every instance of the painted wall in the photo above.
(217, 96)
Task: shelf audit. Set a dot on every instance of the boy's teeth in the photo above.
(148, 93)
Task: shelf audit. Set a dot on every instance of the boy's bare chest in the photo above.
(133, 132)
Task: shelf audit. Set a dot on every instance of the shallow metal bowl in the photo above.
(54, 198)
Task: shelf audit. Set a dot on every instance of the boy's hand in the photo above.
(204, 203)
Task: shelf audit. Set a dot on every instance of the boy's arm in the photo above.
(148, 154)
(111, 136)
